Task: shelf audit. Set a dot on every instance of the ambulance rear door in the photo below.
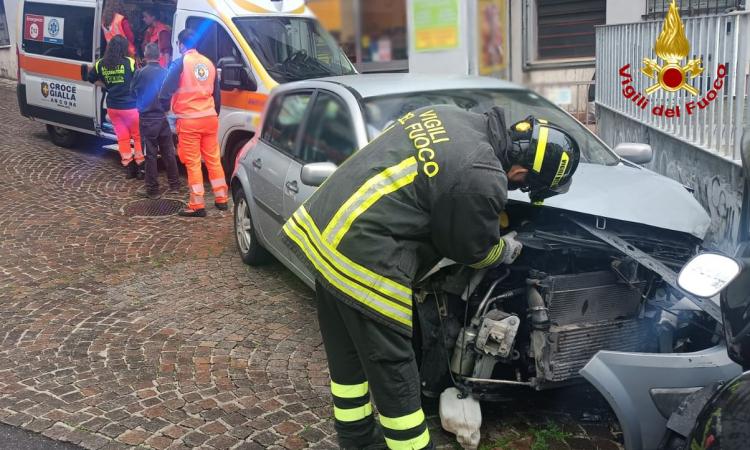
(58, 43)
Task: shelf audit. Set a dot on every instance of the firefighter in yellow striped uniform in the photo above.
(432, 185)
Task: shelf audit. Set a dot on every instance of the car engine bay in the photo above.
(537, 322)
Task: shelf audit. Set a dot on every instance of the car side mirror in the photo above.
(314, 174)
(635, 152)
(707, 274)
(236, 76)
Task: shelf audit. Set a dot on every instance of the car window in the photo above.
(214, 41)
(329, 133)
(60, 32)
(518, 104)
(283, 120)
(293, 48)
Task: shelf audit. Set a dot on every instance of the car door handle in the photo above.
(258, 163)
(291, 186)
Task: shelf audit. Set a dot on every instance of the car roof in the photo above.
(375, 85)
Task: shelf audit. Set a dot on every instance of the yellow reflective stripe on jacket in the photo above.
(349, 390)
(132, 64)
(492, 256)
(368, 298)
(387, 181)
(367, 277)
(352, 414)
(418, 442)
(404, 422)
(541, 149)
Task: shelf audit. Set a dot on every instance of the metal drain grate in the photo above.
(152, 208)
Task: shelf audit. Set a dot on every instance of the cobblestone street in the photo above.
(120, 331)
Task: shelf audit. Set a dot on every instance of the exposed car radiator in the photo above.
(588, 312)
(589, 297)
(572, 346)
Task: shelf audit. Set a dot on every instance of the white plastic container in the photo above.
(462, 417)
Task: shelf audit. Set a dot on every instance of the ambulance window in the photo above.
(283, 121)
(214, 41)
(67, 32)
(329, 133)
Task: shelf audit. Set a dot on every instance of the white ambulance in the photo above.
(255, 44)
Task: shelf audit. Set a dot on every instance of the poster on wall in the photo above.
(435, 24)
(493, 36)
(44, 28)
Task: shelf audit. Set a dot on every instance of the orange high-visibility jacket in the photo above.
(160, 34)
(116, 29)
(192, 87)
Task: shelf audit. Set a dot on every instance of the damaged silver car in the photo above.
(597, 272)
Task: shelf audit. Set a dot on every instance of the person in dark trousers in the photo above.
(433, 185)
(155, 129)
(115, 73)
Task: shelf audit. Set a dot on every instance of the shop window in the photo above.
(565, 28)
(383, 31)
(372, 34)
(50, 30)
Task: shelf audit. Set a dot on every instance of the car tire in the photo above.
(62, 137)
(251, 252)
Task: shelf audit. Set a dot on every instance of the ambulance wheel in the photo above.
(251, 252)
(62, 137)
(230, 157)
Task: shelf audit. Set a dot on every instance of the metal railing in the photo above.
(712, 119)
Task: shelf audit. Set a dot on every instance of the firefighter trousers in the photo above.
(364, 358)
(197, 139)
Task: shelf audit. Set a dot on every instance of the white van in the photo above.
(255, 44)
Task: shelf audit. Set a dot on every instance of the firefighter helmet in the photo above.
(549, 153)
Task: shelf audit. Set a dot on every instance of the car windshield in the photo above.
(294, 48)
(518, 104)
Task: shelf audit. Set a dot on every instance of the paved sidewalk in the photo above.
(119, 331)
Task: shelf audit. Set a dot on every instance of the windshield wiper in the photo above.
(286, 74)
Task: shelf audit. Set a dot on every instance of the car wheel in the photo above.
(251, 252)
(62, 137)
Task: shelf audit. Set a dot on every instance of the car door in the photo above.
(57, 46)
(328, 135)
(271, 158)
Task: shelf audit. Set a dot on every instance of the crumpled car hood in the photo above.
(630, 194)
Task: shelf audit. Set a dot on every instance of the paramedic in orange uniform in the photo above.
(192, 88)
(157, 33)
(114, 23)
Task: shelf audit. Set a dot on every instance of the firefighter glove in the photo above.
(511, 248)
